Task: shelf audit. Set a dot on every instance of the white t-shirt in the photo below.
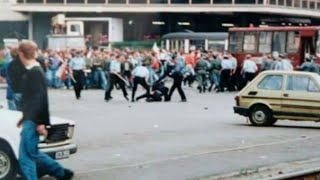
(140, 71)
(249, 66)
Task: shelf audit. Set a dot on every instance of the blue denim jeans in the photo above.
(17, 98)
(100, 78)
(55, 81)
(215, 78)
(30, 156)
(11, 105)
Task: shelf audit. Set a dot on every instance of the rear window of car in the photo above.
(301, 83)
(271, 82)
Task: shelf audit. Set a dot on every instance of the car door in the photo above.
(301, 98)
(268, 91)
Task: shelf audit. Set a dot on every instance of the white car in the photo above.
(57, 145)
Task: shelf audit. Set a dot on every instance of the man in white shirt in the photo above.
(226, 72)
(140, 76)
(116, 78)
(286, 63)
(249, 69)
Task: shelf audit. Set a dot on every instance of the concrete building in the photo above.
(150, 19)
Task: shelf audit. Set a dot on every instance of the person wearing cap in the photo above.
(226, 72)
(77, 66)
(234, 74)
(140, 76)
(277, 64)
(116, 78)
(214, 70)
(286, 63)
(309, 66)
(177, 74)
(266, 63)
(201, 74)
(249, 69)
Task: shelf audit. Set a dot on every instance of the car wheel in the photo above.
(261, 115)
(8, 163)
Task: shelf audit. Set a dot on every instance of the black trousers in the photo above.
(225, 79)
(248, 77)
(143, 83)
(114, 79)
(177, 84)
(78, 85)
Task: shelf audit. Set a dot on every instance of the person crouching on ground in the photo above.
(35, 111)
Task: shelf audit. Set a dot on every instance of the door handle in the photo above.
(253, 93)
(286, 95)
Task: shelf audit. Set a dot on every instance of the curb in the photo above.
(286, 170)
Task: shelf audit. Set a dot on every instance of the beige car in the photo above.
(276, 95)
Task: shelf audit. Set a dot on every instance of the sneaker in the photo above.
(68, 175)
(183, 100)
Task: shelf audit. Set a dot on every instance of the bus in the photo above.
(295, 41)
(185, 41)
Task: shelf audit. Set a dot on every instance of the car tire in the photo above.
(261, 115)
(8, 163)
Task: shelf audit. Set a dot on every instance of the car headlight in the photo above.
(70, 132)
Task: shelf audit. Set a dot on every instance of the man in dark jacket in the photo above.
(35, 118)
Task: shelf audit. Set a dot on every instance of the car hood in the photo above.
(15, 116)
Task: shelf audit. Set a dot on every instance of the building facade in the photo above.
(150, 19)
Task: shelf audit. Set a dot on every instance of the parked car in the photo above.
(57, 145)
(278, 95)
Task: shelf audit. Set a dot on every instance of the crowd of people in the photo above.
(125, 69)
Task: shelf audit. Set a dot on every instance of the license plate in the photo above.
(62, 154)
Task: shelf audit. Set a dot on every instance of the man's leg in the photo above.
(103, 79)
(123, 87)
(179, 86)
(110, 88)
(145, 86)
(134, 89)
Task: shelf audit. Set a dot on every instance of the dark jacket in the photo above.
(35, 106)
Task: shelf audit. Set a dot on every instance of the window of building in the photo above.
(55, 1)
(265, 42)
(117, 1)
(222, 1)
(312, 5)
(180, 1)
(200, 1)
(75, 1)
(159, 1)
(296, 3)
(304, 4)
(245, 1)
(318, 5)
(235, 39)
(138, 1)
(250, 42)
(97, 1)
(289, 3)
(34, 1)
(293, 42)
(272, 1)
(281, 2)
(279, 42)
(301, 83)
(271, 82)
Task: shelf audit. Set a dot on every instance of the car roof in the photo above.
(270, 72)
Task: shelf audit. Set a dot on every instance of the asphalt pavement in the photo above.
(174, 140)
